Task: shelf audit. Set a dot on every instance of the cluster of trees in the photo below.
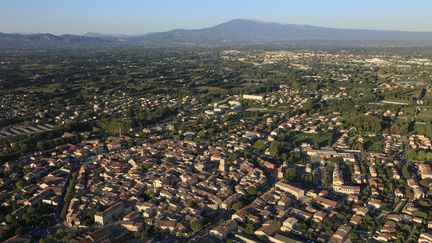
(52, 143)
(196, 226)
(237, 205)
(136, 119)
(399, 126)
(35, 217)
(10, 121)
(252, 191)
(59, 237)
(318, 140)
(291, 175)
(327, 175)
(419, 154)
(250, 227)
(275, 149)
(373, 144)
(147, 195)
(89, 217)
(116, 125)
(365, 124)
(369, 222)
(145, 231)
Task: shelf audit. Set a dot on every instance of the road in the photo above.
(206, 229)
(399, 206)
(252, 109)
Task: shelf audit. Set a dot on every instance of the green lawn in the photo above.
(425, 116)
(423, 129)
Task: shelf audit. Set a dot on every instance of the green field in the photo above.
(423, 129)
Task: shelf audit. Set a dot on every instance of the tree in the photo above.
(145, 231)
(148, 195)
(290, 174)
(250, 228)
(405, 172)
(27, 217)
(259, 145)
(60, 236)
(202, 133)
(353, 236)
(275, 148)
(40, 145)
(424, 183)
(196, 226)
(316, 143)
(251, 190)
(237, 205)
(10, 218)
(20, 184)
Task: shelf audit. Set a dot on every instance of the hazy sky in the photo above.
(142, 16)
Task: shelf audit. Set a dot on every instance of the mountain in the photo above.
(251, 31)
(48, 41)
(238, 31)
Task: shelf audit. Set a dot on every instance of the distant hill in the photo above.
(47, 41)
(239, 31)
(250, 31)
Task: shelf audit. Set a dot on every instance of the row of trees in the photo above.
(68, 195)
(19, 145)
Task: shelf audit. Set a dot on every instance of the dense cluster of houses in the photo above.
(170, 183)
(420, 142)
(185, 179)
(45, 180)
(312, 124)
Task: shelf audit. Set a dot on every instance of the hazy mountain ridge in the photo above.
(239, 31)
(28, 41)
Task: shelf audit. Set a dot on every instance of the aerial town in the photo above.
(217, 146)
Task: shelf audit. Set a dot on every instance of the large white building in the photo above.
(109, 214)
(296, 192)
(253, 97)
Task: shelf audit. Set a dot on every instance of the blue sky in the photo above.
(142, 16)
